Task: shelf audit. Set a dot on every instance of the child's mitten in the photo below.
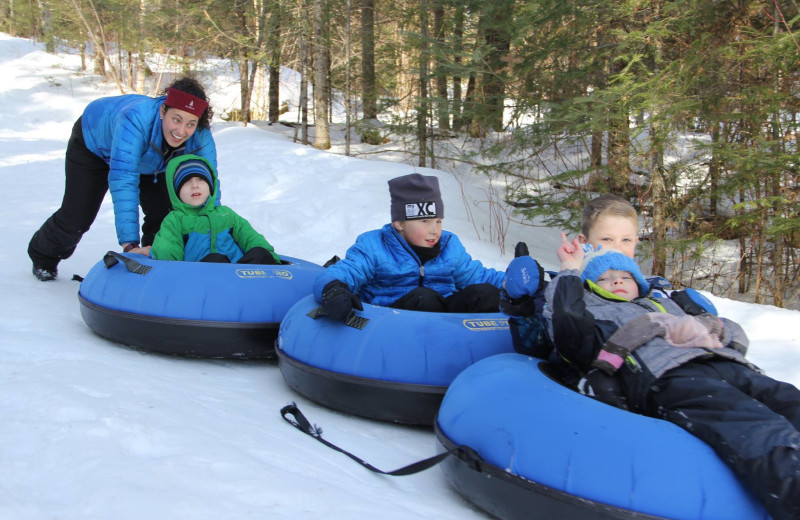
(625, 340)
(338, 301)
(257, 255)
(692, 302)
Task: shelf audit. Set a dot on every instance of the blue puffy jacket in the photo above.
(125, 131)
(381, 267)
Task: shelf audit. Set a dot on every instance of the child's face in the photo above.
(620, 283)
(195, 191)
(420, 233)
(177, 125)
(613, 231)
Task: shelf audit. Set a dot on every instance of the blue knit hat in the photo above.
(601, 260)
(192, 168)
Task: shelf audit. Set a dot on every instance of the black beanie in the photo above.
(415, 197)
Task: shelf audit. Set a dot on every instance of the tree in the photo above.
(368, 87)
(274, 47)
(322, 139)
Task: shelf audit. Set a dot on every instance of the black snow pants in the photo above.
(85, 186)
(480, 297)
(749, 419)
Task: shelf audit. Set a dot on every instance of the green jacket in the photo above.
(190, 233)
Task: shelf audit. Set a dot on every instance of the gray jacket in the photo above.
(583, 319)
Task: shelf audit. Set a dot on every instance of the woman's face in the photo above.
(177, 125)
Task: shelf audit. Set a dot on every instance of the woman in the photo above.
(123, 143)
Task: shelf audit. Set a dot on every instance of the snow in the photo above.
(92, 429)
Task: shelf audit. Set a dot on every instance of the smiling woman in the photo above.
(123, 144)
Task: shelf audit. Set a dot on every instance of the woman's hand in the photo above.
(138, 250)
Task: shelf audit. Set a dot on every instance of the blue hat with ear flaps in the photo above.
(599, 261)
(192, 168)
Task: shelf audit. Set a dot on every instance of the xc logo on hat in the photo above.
(421, 210)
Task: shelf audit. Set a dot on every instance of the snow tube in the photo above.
(195, 309)
(387, 364)
(540, 449)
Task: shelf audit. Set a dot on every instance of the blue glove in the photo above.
(524, 277)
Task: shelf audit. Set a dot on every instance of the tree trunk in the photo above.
(8, 15)
(619, 167)
(596, 153)
(83, 53)
(369, 90)
(322, 139)
(347, 106)
(458, 35)
(46, 21)
(494, 23)
(744, 263)
(779, 277)
(99, 59)
(659, 195)
(422, 105)
(275, 63)
(244, 87)
(302, 51)
(469, 102)
(140, 69)
(442, 112)
(714, 173)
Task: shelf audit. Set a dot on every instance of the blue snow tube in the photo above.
(387, 364)
(196, 309)
(542, 450)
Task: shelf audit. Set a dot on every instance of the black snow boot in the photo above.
(43, 274)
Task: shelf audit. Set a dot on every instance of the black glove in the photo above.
(338, 301)
(517, 307)
(258, 255)
(692, 302)
(603, 387)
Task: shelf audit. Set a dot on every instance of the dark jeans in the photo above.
(749, 419)
(482, 297)
(85, 185)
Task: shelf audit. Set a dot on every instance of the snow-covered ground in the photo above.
(91, 429)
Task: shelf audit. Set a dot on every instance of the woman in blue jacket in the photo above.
(123, 144)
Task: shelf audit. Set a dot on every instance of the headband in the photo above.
(185, 101)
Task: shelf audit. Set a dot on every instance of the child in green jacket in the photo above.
(198, 231)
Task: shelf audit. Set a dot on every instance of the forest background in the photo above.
(688, 108)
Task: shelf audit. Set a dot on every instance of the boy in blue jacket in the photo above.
(410, 263)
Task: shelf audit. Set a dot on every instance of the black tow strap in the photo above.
(112, 258)
(301, 423)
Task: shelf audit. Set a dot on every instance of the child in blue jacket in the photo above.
(410, 263)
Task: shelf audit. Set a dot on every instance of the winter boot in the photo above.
(43, 274)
